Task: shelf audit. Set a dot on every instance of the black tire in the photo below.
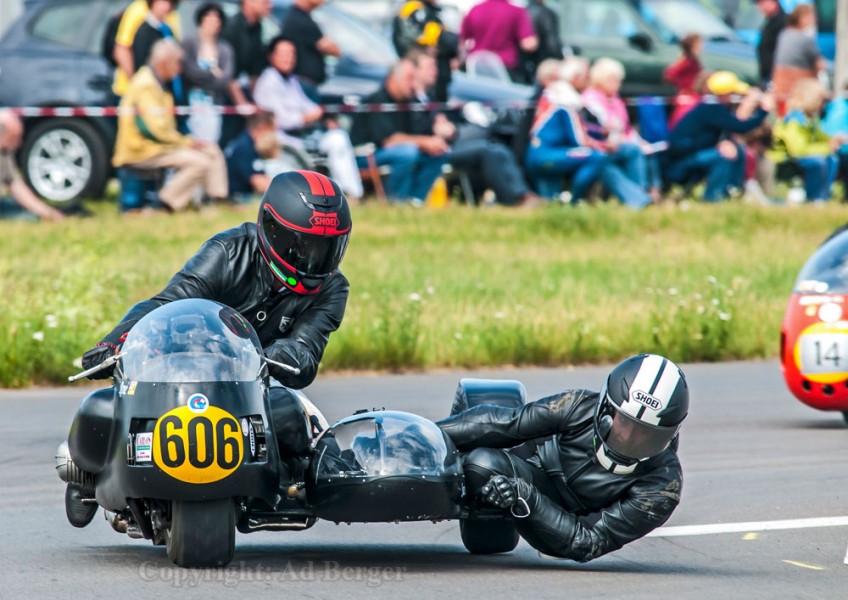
(202, 534)
(89, 161)
(488, 537)
(845, 416)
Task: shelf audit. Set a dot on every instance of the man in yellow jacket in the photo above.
(148, 137)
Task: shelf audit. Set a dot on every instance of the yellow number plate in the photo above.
(198, 447)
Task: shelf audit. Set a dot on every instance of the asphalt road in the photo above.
(750, 453)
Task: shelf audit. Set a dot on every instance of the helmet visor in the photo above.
(635, 439)
(311, 255)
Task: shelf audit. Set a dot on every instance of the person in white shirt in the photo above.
(278, 91)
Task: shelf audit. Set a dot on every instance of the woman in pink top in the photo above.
(613, 128)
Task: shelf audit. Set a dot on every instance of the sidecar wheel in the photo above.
(202, 534)
(488, 537)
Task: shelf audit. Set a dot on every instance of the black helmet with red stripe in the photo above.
(303, 229)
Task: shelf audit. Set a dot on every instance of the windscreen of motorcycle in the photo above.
(826, 271)
(190, 341)
(384, 443)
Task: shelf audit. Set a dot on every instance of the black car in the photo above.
(50, 57)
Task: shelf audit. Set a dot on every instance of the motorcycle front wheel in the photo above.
(202, 534)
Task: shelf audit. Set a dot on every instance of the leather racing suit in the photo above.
(228, 268)
(578, 509)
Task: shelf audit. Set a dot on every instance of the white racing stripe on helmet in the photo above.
(663, 392)
(643, 381)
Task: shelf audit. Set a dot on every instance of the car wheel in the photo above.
(64, 159)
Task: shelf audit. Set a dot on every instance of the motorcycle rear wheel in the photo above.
(488, 537)
(202, 534)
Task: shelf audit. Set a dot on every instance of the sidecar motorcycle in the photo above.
(186, 448)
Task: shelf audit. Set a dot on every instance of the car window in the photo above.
(611, 20)
(683, 18)
(67, 24)
(355, 40)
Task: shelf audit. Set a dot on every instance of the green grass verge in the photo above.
(452, 288)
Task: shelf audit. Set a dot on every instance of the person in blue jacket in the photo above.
(700, 145)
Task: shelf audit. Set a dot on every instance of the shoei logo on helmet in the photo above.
(198, 403)
(319, 219)
(646, 399)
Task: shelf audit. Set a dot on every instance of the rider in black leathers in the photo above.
(293, 322)
(573, 490)
(281, 273)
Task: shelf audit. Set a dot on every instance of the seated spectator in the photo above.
(683, 103)
(246, 156)
(415, 156)
(148, 137)
(208, 69)
(834, 123)
(797, 55)
(624, 145)
(699, 146)
(559, 146)
(17, 200)
(683, 72)
(131, 19)
(489, 164)
(152, 29)
(799, 137)
(278, 91)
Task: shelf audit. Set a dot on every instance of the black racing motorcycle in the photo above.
(184, 450)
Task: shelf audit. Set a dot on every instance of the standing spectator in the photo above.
(415, 157)
(799, 137)
(699, 146)
(311, 45)
(623, 144)
(153, 29)
(17, 200)
(243, 33)
(772, 26)
(488, 163)
(502, 28)
(797, 55)
(132, 18)
(683, 72)
(246, 155)
(418, 24)
(278, 91)
(208, 67)
(546, 23)
(148, 137)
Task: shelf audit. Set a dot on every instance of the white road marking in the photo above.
(750, 526)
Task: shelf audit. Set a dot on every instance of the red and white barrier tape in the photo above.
(114, 111)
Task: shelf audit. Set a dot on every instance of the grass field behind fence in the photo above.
(452, 288)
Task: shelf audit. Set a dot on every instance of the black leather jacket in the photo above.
(597, 511)
(228, 268)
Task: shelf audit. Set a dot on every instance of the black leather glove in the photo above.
(97, 355)
(511, 493)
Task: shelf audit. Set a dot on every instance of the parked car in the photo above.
(675, 19)
(747, 20)
(616, 29)
(51, 57)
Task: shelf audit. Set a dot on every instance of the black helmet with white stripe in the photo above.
(639, 411)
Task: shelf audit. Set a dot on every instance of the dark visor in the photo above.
(634, 439)
(309, 254)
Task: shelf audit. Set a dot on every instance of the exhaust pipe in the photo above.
(69, 472)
